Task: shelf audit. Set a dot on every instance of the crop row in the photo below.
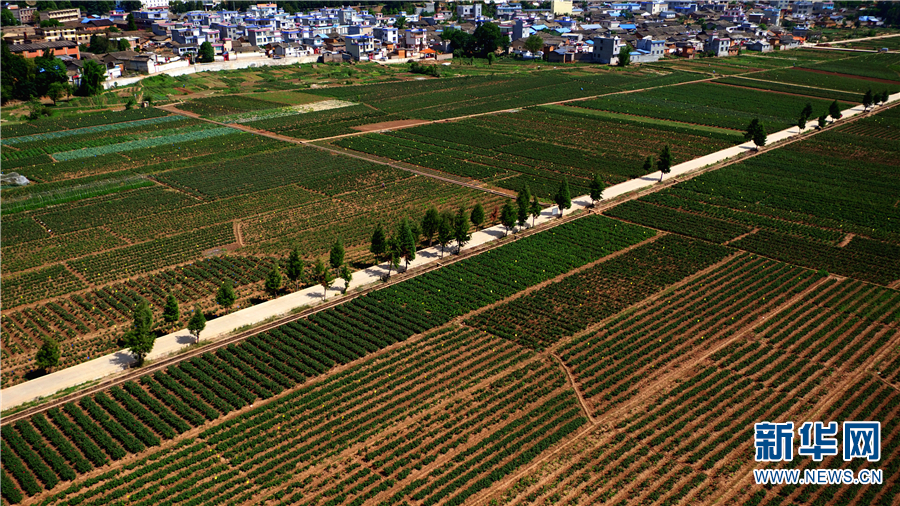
(440, 99)
(49, 141)
(664, 218)
(193, 134)
(789, 88)
(494, 145)
(308, 167)
(366, 324)
(877, 66)
(540, 318)
(79, 322)
(229, 104)
(80, 121)
(152, 255)
(39, 284)
(858, 264)
(608, 362)
(314, 125)
(711, 104)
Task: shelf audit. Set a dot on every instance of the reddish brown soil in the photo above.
(390, 124)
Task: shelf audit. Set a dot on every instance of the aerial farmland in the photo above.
(500, 280)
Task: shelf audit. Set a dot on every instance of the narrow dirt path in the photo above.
(846, 240)
(738, 238)
(237, 233)
(584, 407)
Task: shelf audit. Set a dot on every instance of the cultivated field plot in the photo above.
(831, 81)
(224, 105)
(795, 204)
(144, 195)
(214, 384)
(710, 104)
(447, 98)
(752, 81)
(559, 141)
(873, 66)
(892, 43)
(675, 398)
(124, 245)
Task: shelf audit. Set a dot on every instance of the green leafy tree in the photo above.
(563, 197)
(50, 23)
(488, 38)
(379, 246)
(324, 276)
(123, 45)
(207, 53)
(756, 133)
(523, 201)
(336, 257)
(16, 75)
(461, 229)
(273, 282)
(130, 25)
(295, 268)
(140, 339)
(460, 41)
(807, 111)
(171, 311)
(430, 223)
(624, 56)
(597, 188)
(534, 43)
(445, 231)
(477, 216)
(92, 76)
(347, 276)
(834, 110)
(48, 355)
(7, 18)
(406, 242)
(225, 296)
(400, 23)
(197, 323)
(885, 96)
(664, 164)
(868, 99)
(49, 70)
(535, 209)
(823, 121)
(648, 164)
(57, 91)
(98, 44)
(508, 216)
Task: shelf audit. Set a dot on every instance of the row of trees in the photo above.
(139, 339)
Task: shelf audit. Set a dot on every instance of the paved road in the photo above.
(220, 327)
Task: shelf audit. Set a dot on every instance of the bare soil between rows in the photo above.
(400, 123)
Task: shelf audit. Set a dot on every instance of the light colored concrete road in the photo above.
(225, 325)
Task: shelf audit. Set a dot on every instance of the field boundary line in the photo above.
(571, 380)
